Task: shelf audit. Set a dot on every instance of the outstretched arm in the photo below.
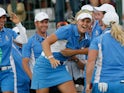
(70, 52)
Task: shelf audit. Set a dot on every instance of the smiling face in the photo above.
(2, 21)
(42, 26)
(83, 25)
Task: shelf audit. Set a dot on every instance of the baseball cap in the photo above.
(83, 16)
(41, 16)
(105, 7)
(110, 17)
(87, 7)
(2, 12)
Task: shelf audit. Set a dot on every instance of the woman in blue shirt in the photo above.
(6, 39)
(49, 69)
(109, 48)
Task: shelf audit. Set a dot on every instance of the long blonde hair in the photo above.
(117, 32)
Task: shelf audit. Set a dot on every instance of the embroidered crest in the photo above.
(6, 37)
(97, 33)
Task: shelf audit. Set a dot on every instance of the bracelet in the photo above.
(51, 56)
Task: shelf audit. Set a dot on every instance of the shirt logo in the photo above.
(97, 33)
(6, 37)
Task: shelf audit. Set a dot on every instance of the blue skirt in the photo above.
(44, 76)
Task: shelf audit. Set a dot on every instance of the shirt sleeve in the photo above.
(22, 37)
(94, 44)
(63, 32)
(26, 49)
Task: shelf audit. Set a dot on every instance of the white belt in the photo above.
(43, 55)
(5, 68)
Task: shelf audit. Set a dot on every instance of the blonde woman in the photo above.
(49, 69)
(109, 48)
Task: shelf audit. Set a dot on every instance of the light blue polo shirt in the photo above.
(6, 38)
(112, 67)
(70, 33)
(23, 81)
(96, 30)
(34, 42)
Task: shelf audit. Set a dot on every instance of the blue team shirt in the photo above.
(22, 78)
(34, 43)
(96, 30)
(70, 33)
(112, 68)
(6, 38)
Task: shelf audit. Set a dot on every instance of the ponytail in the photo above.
(117, 32)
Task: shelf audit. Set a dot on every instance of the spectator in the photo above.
(62, 23)
(112, 2)
(94, 3)
(72, 8)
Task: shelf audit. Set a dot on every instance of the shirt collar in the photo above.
(108, 28)
(75, 29)
(39, 38)
(3, 29)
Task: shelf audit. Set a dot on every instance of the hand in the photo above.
(103, 87)
(14, 18)
(54, 62)
(88, 89)
(73, 58)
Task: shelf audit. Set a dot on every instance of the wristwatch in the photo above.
(76, 60)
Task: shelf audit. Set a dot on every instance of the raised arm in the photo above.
(22, 37)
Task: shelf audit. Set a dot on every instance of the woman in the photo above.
(6, 39)
(109, 48)
(49, 65)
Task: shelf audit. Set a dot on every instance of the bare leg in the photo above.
(44, 90)
(67, 87)
(7, 92)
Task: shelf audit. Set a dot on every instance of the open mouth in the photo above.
(84, 27)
